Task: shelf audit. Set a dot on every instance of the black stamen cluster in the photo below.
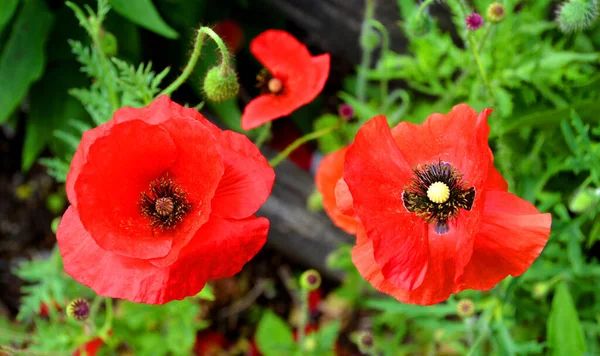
(416, 200)
(164, 188)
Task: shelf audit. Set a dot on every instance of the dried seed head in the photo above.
(78, 309)
(465, 308)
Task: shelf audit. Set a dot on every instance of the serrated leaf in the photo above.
(274, 336)
(565, 334)
(144, 14)
(22, 61)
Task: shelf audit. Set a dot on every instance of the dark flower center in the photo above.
(268, 84)
(164, 203)
(437, 193)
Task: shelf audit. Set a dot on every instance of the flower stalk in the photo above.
(294, 145)
(224, 66)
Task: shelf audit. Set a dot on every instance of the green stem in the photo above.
(108, 320)
(264, 134)
(191, 64)
(361, 82)
(289, 149)
(424, 6)
(303, 319)
(479, 64)
(486, 34)
(385, 39)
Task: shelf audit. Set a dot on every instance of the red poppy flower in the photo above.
(435, 215)
(162, 201)
(295, 77)
(211, 343)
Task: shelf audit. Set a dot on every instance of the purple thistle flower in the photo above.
(474, 21)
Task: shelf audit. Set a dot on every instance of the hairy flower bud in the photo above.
(419, 25)
(577, 15)
(221, 84)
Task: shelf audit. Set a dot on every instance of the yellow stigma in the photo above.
(438, 192)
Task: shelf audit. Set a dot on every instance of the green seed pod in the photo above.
(577, 15)
(310, 280)
(220, 85)
(465, 308)
(419, 25)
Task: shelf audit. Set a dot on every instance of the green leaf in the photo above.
(565, 335)
(22, 60)
(206, 293)
(325, 338)
(51, 109)
(274, 336)
(7, 9)
(143, 13)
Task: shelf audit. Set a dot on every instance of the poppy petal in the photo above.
(495, 181)
(399, 237)
(321, 66)
(435, 287)
(281, 53)
(330, 171)
(267, 107)
(110, 183)
(195, 143)
(116, 276)
(460, 137)
(343, 199)
(137, 280)
(222, 247)
(247, 181)
(513, 233)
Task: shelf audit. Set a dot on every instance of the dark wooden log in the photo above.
(335, 25)
(300, 235)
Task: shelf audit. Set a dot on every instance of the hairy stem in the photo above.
(365, 63)
(191, 64)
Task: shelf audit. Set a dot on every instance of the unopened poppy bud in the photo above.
(346, 111)
(540, 290)
(221, 84)
(315, 202)
(78, 309)
(474, 21)
(420, 24)
(108, 43)
(365, 342)
(577, 15)
(465, 308)
(584, 199)
(310, 280)
(495, 12)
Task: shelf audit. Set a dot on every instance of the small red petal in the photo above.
(330, 171)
